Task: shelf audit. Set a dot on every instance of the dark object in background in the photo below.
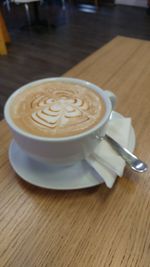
(148, 9)
(54, 11)
(108, 2)
(53, 2)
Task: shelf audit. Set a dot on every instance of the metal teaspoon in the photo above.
(134, 163)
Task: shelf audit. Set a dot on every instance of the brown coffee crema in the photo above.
(57, 109)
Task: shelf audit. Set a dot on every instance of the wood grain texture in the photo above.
(94, 227)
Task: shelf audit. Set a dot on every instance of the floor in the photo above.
(72, 35)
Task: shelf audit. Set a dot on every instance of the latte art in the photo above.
(60, 112)
(57, 109)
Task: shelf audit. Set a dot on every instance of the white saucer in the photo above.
(77, 176)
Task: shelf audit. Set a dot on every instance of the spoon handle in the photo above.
(135, 163)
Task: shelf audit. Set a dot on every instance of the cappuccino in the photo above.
(57, 109)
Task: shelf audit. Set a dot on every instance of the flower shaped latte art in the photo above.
(59, 112)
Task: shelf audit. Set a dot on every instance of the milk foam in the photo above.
(57, 109)
(58, 112)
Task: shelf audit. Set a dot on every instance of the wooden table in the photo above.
(93, 227)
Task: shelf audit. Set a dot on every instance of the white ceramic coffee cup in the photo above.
(65, 150)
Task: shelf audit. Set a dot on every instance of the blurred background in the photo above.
(46, 38)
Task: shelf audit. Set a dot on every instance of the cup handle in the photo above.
(112, 98)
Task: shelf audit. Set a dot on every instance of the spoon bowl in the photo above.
(133, 162)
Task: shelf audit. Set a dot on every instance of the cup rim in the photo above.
(65, 138)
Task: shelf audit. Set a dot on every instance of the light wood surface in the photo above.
(97, 227)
